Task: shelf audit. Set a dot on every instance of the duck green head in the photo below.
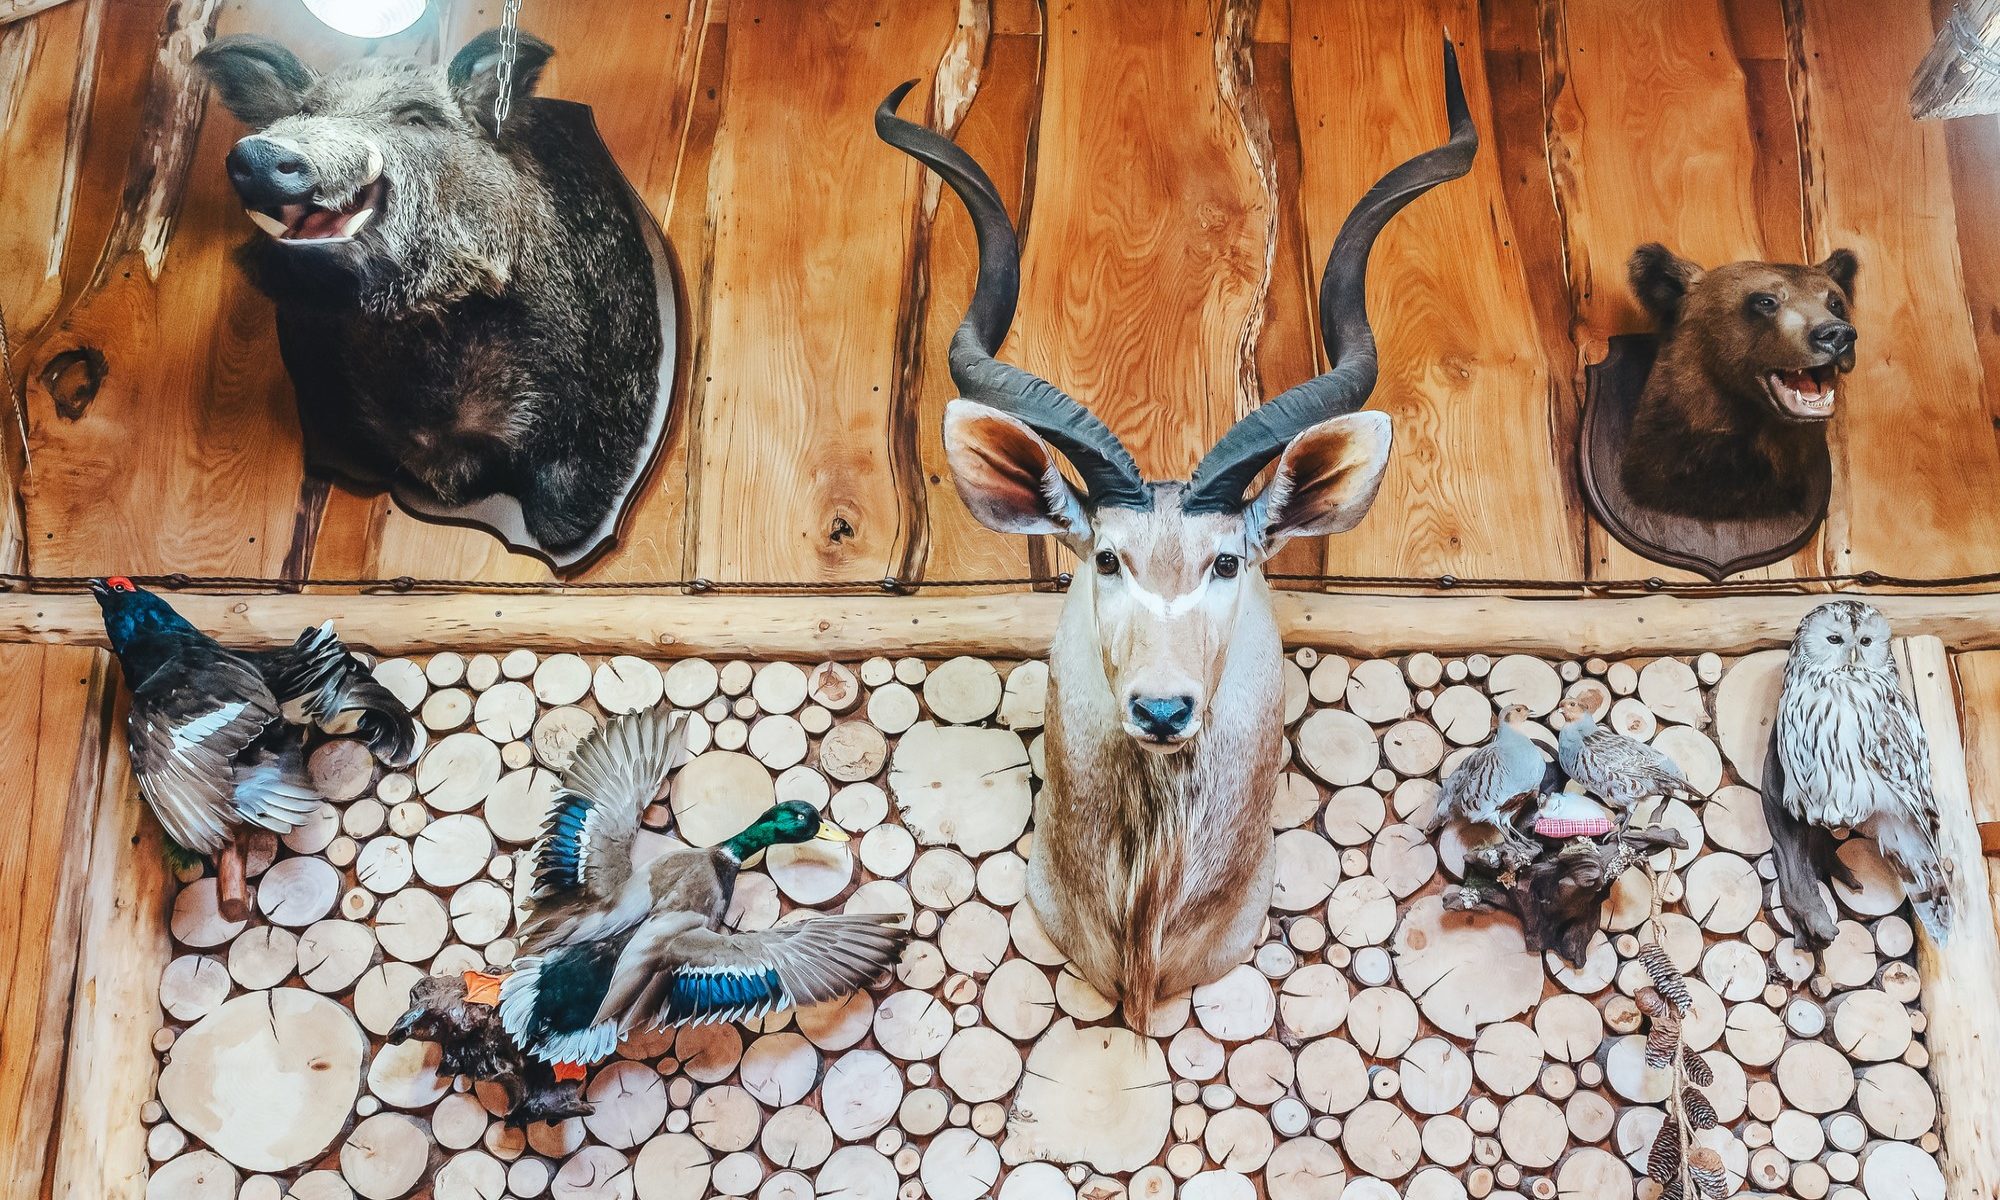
(792, 822)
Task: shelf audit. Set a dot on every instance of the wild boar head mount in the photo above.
(478, 314)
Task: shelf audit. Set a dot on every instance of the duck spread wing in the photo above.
(586, 842)
(703, 975)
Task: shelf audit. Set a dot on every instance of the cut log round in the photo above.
(562, 679)
(298, 891)
(912, 1025)
(1870, 1027)
(1746, 702)
(1236, 1007)
(1670, 689)
(1413, 748)
(1569, 1027)
(405, 1076)
(458, 772)
(1304, 1169)
(1353, 815)
(384, 866)
(332, 955)
(288, 1111)
(852, 751)
(1468, 969)
(1895, 1100)
(1099, 1096)
(978, 1063)
(506, 711)
(559, 731)
(1361, 912)
(778, 741)
(192, 986)
(263, 957)
(1723, 893)
(893, 708)
(718, 795)
(1815, 1077)
(451, 850)
(341, 769)
(1313, 1001)
(1377, 692)
(1380, 1140)
(1338, 747)
(725, 1118)
(810, 872)
(1507, 1057)
(1694, 753)
(519, 803)
(1435, 1076)
(962, 785)
(1900, 1171)
(1590, 1173)
(1463, 714)
(963, 690)
(1307, 865)
(1382, 1021)
(1734, 819)
(1025, 698)
(473, 1175)
(446, 710)
(1533, 1132)
(412, 925)
(1521, 679)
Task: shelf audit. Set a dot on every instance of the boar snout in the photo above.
(270, 173)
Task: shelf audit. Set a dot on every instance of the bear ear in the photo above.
(1840, 266)
(474, 74)
(259, 80)
(1661, 280)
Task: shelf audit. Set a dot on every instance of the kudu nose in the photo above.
(1163, 716)
(1833, 337)
(267, 173)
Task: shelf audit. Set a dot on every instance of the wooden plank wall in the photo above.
(1178, 169)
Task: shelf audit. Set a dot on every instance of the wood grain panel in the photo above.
(996, 131)
(1287, 330)
(1146, 250)
(1650, 139)
(792, 473)
(52, 728)
(1475, 485)
(1979, 701)
(46, 64)
(1916, 471)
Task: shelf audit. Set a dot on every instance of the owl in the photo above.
(1854, 752)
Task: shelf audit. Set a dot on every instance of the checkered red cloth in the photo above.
(1569, 827)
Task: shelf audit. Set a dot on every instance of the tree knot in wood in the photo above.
(72, 379)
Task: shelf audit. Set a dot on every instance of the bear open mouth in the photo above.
(1806, 394)
(314, 225)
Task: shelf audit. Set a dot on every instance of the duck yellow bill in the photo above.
(830, 833)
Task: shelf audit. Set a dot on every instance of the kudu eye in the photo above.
(1226, 565)
(1107, 563)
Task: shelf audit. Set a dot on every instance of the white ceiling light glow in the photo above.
(367, 18)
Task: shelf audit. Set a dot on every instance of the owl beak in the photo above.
(1853, 657)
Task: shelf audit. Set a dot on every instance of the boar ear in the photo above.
(1661, 279)
(259, 80)
(474, 73)
(1840, 266)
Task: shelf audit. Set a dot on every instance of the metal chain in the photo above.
(510, 47)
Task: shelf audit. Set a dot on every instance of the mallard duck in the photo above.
(614, 946)
(1619, 770)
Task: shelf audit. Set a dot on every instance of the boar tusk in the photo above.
(374, 164)
(356, 222)
(266, 222)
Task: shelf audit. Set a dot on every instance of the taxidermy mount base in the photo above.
(1713, 547)
(1557, 891)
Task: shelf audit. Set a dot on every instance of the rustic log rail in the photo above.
(1015, 624)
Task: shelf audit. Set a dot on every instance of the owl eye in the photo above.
(1868, 641)
(1835, 638)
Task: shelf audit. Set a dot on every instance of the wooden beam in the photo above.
(51, 744)
(1011, 624)
(100, 1146)
(1963, 1035)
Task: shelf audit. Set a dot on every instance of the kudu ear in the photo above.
(474, 74)
(1008, 476)
(1325, 480)
(259, 80)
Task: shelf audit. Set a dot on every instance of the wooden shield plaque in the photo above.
(1715, 549)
